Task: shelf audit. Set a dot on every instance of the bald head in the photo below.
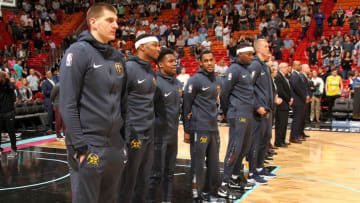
(283, 67)
(305, 68)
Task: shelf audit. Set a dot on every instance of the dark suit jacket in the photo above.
(307, 84)
(284, 91)
(299, 91)
(46, 89)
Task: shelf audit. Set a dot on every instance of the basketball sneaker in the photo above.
(255, 178)
(227, 192)
(266, 174)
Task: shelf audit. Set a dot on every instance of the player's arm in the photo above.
(73, 68)
(189, 95)
(227, 87)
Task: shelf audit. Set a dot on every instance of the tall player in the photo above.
(237, 100)
(141, 85)
(93, 104)
(167, 110)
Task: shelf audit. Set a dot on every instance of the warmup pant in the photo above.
(239, 145)
(163, 169)
(133, 187)
(281, 122)
(7, 125)
(96, 179)
(205, 146)
(298, 121)
(261, 134)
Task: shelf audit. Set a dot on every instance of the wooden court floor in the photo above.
(326, 168)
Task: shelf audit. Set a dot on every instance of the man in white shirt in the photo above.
(33, 81)
(316, 99)
(288, 43)
(207, 43)
(226, 36)
(162, 29)
(219, 32)
(263, 24)
(183, 77)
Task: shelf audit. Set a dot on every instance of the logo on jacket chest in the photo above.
(119, 68)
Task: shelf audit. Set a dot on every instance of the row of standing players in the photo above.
(122, 119)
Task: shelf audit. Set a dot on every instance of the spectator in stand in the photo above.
(183, 77)
(252, 19)
(33, 81)
(263, 24)
(25, 91)
(313, 54)
(319, 18)
(186, 35)
(333, 89)
(193, 40)
(141, 9)
(340, 17)
(221, 68)
(207, 43)
(316, 99)
(171, 40)
(21, 53)
(288, 43)
(357, 50)
(354, 81)
(277, 45)
(346, 64)
(243, 18)
(52, 17)
(305, 23)
(132, 31)
(5, 67)
(331, 60)
(18, 70)
(38, 43)
(219, 32)
(338, 38)
(180, 44)
(203, 29)
(348, 46)
(202, 36)
(325, 50)
(231, 49)
(226, 35)
(47, 27)
(354, 25)
(140, 32)
(337, 48)
(52, 46)
(25, 71)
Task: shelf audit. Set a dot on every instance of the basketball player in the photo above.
(237, 100)
(141, 85)
(93, 104)
(200, 126)
(263, 107)
(167, 110)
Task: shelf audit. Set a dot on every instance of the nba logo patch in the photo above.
(190, 88)
(69, 59)
(230, 76)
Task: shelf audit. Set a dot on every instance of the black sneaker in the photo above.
(265, 173)
(238, 184)
(226, 192)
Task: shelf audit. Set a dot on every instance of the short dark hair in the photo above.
(96, 10)
(165, 51)
(205, 51)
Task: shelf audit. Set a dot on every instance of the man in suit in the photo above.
(282, 111)
(47, 87)
(300, 99)
(305, 70)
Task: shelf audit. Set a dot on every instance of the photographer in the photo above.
(7, 111)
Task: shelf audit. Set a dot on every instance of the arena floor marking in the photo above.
(335, 144)
(30, 142)
(42, 183)
(50, 153)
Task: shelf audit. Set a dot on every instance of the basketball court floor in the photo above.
(323, 169)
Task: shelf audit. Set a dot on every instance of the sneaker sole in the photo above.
(227, 196)
(263, 176)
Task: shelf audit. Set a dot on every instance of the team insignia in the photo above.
(92, 159)
(218, 87)
(180, 92)
(119, 68)
(203, 139)
(154, 79)
(230, 76)
(69, 59)
(243, 120)
(135, 144)
(267, 116)
(252, 74)
(190, 88)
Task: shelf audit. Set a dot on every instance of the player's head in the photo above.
(102, 21)
(147, 47)
(167, 61)
(262, 49)
(245, 53)
(207, 60)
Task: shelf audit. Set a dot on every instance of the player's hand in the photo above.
(81, 158)
(291, 102)
(261, 111)
(189, 116)
(279, 100)
(187, 138)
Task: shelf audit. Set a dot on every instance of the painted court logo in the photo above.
(92, 159)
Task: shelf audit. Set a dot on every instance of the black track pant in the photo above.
(205, 146)
(163, 170)
(261, 134)
(239, 145)
(7, 124)
(96, 179)
(133, 187)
